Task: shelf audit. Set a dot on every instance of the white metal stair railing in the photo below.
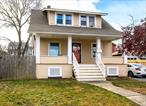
(100, 64)
(76, 66)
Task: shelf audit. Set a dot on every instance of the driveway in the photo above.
(140, 79)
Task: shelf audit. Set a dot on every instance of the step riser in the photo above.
(91, 79)
(89, 72)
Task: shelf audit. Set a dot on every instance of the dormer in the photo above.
(74, 18)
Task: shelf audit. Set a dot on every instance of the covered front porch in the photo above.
(89, 56)
(55, 49)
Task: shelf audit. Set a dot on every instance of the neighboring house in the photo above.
(12, 48)
(70, 41)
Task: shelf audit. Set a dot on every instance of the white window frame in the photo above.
(87, 20)
(108, 74)
(60, 68)
(94, 21)
(91, 49)
(59, 48)
(56, 18)
(64, 19)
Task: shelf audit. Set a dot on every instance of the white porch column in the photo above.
(69, 50)
(37, 48)
(125, 58)
(98, 48)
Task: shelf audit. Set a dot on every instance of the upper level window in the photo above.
(68, 19)
(91, 21)
(88, 21)
(59, 18)
(83, 20)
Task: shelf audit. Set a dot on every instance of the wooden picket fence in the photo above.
(14, 68)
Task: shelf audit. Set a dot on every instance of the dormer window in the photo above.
(91, 21)
(68, 19)
(87, 21)
(64, 19)
(83, 20)
(59, 18)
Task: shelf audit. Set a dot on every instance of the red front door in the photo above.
(76, 48)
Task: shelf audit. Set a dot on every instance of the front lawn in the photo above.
(129, 83)
(57, 92)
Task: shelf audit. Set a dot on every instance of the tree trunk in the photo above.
(26, 45)
(19, 44)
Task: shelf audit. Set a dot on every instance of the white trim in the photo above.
(60, 68)
(75, 11)
(49, 47)
(94, 21)
(69, 50)
(80, 20)
(81, 48)
(64, 18)
(56, 18)
(98, 47)
(117, 68)
(76, 34)
(37, 49)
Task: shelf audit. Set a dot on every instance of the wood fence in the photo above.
(14, 68)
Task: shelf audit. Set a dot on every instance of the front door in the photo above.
(76, 48)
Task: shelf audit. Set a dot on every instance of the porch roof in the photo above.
(39, 24)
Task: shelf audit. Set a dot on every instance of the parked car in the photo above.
(138, 70)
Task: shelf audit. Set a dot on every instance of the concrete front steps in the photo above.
(90, 72)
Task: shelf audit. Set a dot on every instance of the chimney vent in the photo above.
(48, 6)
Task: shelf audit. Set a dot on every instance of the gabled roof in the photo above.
(39, 24)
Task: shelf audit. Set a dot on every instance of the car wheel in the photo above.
(130, 74)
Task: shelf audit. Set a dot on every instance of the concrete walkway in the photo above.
(135, 97)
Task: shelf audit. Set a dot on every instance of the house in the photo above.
(74, 43)
(12, 49)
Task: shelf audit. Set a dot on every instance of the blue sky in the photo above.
(119, 11)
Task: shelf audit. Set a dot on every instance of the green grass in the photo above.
(129, 83)
(57, 92)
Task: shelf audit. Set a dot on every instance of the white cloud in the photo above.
(84, 5)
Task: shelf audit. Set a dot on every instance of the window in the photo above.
(68, 19)
(83, 21)
(91, 21)
(93, 50)
(88, 21)
(59, 18)
(54, 49)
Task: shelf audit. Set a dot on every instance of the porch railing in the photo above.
(76, 66)
(101, 65)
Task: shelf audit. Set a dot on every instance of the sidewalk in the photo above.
(135, 97)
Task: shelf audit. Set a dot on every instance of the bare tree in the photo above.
(16, 13)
